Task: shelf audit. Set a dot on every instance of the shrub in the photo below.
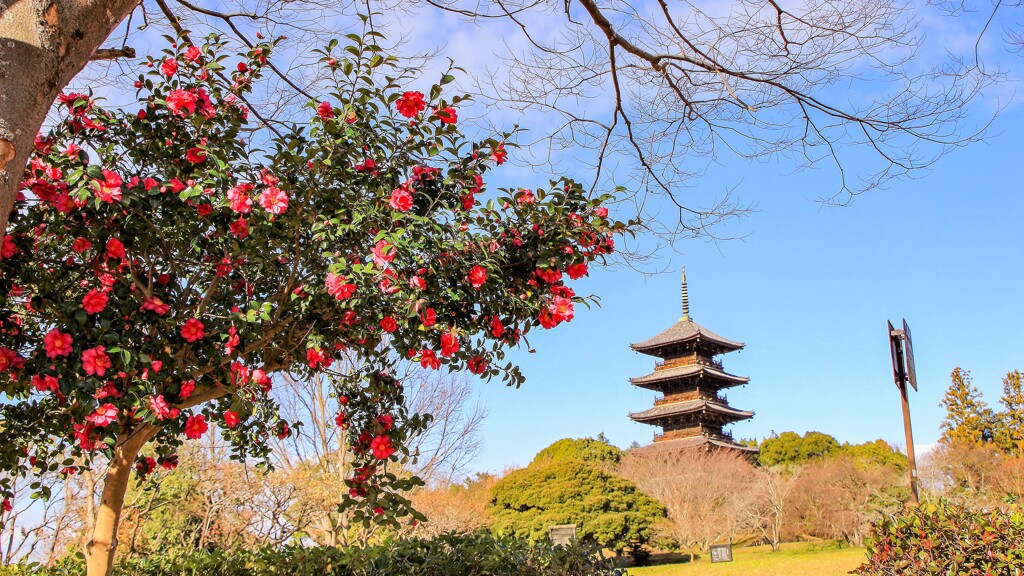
(945, 538)
(478, 554)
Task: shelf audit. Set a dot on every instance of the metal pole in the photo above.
(910, 444)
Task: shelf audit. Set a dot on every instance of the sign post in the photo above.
(904, 372)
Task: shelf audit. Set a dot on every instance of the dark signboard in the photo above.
(721, 553)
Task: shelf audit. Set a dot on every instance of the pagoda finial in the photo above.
(686, 298)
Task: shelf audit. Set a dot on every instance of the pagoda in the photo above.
(692, 410)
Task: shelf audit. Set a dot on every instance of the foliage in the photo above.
(790, 448)
(163, 264)
(1010, 433)
(607, 510)
(594, 450)
(944, 538)
(478, 554)
(877, 453)
(968, 418)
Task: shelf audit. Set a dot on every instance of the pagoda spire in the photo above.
(686, 298)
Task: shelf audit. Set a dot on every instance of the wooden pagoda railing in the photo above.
(720, 398)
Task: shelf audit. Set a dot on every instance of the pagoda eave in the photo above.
(656, 379)
(682, 332)
(675, 409)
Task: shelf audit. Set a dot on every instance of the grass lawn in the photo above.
(796, 559)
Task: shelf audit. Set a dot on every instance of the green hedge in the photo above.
(448, 555)
(940, 538)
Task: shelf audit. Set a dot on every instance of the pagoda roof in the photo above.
(682, 331)
(696, 442)
(688, 407)
(684, 371)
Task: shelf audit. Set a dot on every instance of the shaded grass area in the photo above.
(796, 559)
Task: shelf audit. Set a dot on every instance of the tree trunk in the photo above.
(43, 45)
(99, 553)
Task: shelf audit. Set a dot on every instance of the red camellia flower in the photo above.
(109, 188)
(192, 330)
(429, 317)
(181, 102)
(231, 419)
(498, 154)
(418, 283)
(410, 104)
(239, 197)
(192, 54)
(549, 275)
(57, 343)
(447, 115)
(477, 276)
(7, 247)
(339, 286)
(154, 304)
(383, 253)
(577, 270)
(45, 383)
(497, 329)
(401, 199)
(94, 301)
(95, 361)
(169, 66)
(526, 197)
(274, 200)
(240, 228)
(601, 212)
(159, 407)
(115, 249)
(449, 344)
(261, 379)
(317, 359)
(429, 360)
(382, 448)
(388, 324)
(6, 506)
(195, 155)
(195, 427)
(80, 245)
(186, 389)
(102, 416)
(477, 365)
(325, 111)
(108, 390)
(386, 421)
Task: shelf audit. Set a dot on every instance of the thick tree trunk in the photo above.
(99, 552)
(43, 44)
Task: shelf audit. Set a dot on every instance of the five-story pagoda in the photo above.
(692, 409)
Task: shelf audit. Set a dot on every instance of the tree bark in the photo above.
(43, 45)
(99, 552)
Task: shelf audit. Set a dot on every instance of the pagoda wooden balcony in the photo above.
(676, 434)
(686, 361)
(720, 398)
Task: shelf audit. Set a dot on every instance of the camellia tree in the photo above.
(162, 264)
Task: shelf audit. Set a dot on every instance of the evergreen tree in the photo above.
(1010, 432)
(968, 418)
